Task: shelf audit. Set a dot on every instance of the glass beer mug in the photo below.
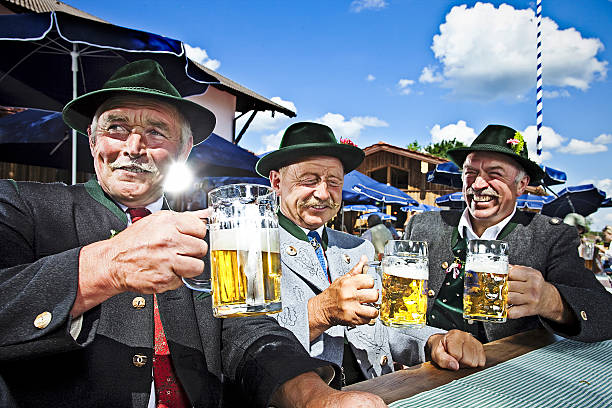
(405, 272)
(485, 285)
(245, 263)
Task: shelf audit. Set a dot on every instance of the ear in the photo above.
(522, 185)
(275, 180)
(185, 150)
(91, 140)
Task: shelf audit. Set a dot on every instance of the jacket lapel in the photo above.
(300, 257)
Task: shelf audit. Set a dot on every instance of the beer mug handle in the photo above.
(200, 285)
(197, 283)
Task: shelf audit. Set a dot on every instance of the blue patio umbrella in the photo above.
(584, 200)
(532, 201)
(453, 201)
(367, 208)
(50, 58)
(607, 203)
(420, 208)
(382, 216)
(40, 138)
(360, 188)
(449, 174)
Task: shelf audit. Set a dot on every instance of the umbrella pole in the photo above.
(74, 55)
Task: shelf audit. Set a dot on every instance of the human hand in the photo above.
(150, 256)
(530, 295)
(342, 303)
(456, 349)
(308, 390)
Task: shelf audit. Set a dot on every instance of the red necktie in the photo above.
(168, 391)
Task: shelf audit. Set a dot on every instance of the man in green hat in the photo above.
(93, 310)
(326, 297)
(548, 284)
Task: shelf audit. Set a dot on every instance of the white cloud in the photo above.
(271, 142)
(404, 85)
(430, 74)
(563, 93)
(459, 131)
(604, 138)
(264, 121)
(602, 184)
(370, 78)
(359, 5)
(551, 140)
(576, 146)
(200, 55)
(349, 128)
(487, 53)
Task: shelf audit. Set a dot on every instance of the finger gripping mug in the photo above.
(244, 252)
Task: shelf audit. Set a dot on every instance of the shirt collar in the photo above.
(153, 207)
(490, 233)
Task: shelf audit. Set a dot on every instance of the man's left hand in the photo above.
(530, 295)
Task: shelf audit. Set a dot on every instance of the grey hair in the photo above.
(521, 174)
(184, 125)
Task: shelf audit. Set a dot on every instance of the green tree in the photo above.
(439, 149)
(415, 146)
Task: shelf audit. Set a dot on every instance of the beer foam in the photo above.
(236, 240)
(411, 271)
(487, 265)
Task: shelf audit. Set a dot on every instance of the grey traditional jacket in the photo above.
(537, 241)
(43, 228)
(375, 347)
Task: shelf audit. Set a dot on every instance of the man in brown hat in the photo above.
(93, 309)
(548, 283)
(325, 294)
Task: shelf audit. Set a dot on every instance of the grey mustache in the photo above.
(150, 167)
(487, 191)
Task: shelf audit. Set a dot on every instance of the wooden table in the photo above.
(406, 383)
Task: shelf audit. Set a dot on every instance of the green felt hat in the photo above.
(304, 139)
(500, 139)
(144, 78)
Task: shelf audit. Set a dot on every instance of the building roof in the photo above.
(386, 147)
(45, 6)
(246, 99)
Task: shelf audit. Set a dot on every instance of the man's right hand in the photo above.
(149, 256)
(456, 349)
(342, 303)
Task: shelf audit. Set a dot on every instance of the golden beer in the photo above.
(404, 294)
(588, 263)
(245, 273)
(485, 296)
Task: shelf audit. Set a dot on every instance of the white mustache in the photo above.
(149, 167)
(486, 192)
(313, 201)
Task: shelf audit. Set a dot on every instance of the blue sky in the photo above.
(404, 70)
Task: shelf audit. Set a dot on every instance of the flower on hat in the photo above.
(346, 140)
(517, 143)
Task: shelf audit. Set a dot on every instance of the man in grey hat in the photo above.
(325, 294)
(548, 283)
(93, 309)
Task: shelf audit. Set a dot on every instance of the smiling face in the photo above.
(133, 142)
(490, 187)
(310, 190)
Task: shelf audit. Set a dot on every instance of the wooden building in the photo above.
(405, 169)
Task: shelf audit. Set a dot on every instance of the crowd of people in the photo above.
(94, 311)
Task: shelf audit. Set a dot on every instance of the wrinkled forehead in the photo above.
(491, 159)
(318, 165)
(139, 105)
